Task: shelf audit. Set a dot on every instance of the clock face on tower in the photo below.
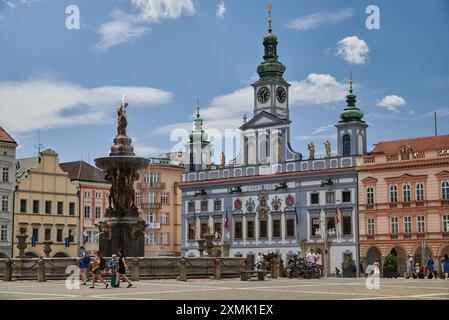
(263, 94)
(281, 94)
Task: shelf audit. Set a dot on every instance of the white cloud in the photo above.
(44, 104)
(123, 28)
(314, 20)
(392, 103)
(226, 111)
(126, 27)
(353, 50)
(323, 129)
(221, 10)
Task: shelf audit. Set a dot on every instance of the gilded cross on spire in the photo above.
(270, 8)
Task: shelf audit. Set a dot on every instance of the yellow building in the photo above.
(46, 204)
(159, 202)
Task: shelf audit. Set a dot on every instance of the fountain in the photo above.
(122, 228)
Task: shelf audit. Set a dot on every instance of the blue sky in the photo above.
(67, 84)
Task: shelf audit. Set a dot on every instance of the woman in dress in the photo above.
(122, 267)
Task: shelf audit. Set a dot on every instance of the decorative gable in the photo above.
(264, 120)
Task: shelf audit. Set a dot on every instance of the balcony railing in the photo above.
(151, 185)
(152, 205)
(154, 225)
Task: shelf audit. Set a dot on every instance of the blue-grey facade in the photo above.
(271, 197)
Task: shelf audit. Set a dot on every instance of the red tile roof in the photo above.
(5, 137)
(83, 171)
(418, 145)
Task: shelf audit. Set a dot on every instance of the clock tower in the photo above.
(271, 90)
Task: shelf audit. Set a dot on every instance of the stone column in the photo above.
(182, 270)
(8, 270)
(283, 231)
(217, 269)
(135, 272)
(41, 270)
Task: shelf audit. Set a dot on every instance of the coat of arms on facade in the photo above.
(289, 203)
(262, 209)
(237, 206)
(276, 204)
(250, 205)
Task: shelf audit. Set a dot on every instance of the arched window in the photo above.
(420, 192)
(370, 195)
(393, 194)
(346, 145)
(406, 193)
(445, 190)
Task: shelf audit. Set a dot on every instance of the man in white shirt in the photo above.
(310, 257)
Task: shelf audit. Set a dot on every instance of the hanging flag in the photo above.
(337, 219)
(296, 215)
(225, 221)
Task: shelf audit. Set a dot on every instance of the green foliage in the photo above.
(390, 260)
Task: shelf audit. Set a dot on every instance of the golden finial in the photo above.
(270, 8)
(350, 81)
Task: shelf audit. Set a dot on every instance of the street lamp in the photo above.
(324, 234)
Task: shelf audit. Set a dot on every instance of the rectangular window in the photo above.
(315, 225)
(276, 228)
(47, 234)
(4, 233)
(59, 235)
(250, 230)
(86, 212)
(86, 194)
(152, 197)
(204, 229)
(445, 222)
(164, 197)
(138, 198)
(204, 206)
(60, 207)
(290, 225)
(263, 229)
(420, 192)
(97, 212)
(346, 196)
(5, 175)
(394, 225)
(5, 203)
(151, 218)
(191, 207)
(217, 228)
(35, 206)
(23, 205)
(330, 223)
(315, 198)
(48, 207)
(71, 236)
(238, 232)
(152, 238)
(407, 225)
(217, 205)
(421, 228)
(155, 178)
(191, 233)
(347, 225)
(35, 235)
(164, 238)
(164, 217)
(406, 194)
(330, 197)
(370, 225)
(72, 208)
(370, 195)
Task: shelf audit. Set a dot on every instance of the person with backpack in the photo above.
(84, 264)
(122, 267)
(98, 265)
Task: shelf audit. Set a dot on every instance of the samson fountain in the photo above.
(122, 228)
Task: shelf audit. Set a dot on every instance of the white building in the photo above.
(7, 185)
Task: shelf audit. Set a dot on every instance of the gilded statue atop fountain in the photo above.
(122, 118)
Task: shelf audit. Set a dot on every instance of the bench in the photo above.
(247, 274)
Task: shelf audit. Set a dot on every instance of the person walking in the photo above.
(122, 267)
(319, 261)
(411, 267)
(431, 267)
(361, 270)
(310, 257)
(445, 263)
(98, 266)
(84, 264)
(113, 267)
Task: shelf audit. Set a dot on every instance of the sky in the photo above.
(60, 85)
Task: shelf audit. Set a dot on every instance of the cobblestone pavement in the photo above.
(234, 289)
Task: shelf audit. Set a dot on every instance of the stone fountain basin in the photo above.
(113, 162)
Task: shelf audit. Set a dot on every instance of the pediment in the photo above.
(369, 180)
(263, 120)
(442, 174)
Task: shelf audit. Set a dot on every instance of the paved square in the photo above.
(234, 289)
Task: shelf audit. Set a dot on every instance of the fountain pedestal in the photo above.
(122, 228)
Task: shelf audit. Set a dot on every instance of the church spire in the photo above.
(198, 134)
(351, 113)
(270, 68)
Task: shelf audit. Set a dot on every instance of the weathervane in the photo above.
(270, 8)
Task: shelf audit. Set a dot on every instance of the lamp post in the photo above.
(323, 234)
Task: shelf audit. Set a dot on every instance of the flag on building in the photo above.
(337, 220)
